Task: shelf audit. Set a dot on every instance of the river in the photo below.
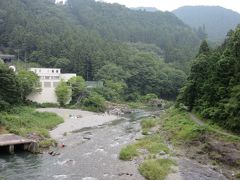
(92, 154)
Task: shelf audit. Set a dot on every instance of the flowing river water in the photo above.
(92, 154)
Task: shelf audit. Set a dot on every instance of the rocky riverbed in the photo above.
(91, 153)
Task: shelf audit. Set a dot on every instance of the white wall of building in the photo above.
(49, 79)
(66, 77)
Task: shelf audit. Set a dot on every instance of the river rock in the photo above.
(161, 153)
(33, 147)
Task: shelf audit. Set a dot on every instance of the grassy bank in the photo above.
(157, 163)
(149, 146)
(181, 129)
(26, 121)
(156, 169)
(147, 124)
(206, 143)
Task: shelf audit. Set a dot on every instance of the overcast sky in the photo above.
(174, 4)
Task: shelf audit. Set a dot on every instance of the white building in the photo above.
(49, 79)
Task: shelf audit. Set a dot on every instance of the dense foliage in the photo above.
(63, 93)
(116, 22)
(29, 82)
(78, 86)
(213, 87)
(94, 102)
(100, 41)
(9, 88)
(15, 87)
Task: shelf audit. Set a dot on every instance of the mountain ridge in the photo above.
(217, 20)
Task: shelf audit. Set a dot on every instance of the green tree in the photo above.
(212, 88)
(62, 63)
(112, 91)
(63, 93)
(9, 87)
(143, 68)
(95, 102)
(78, 86)
(29, 82)
(233, 109)
(204, 48)
(112, 72)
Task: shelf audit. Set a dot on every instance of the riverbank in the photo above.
(27, 122)
(176, 147)
(75, 120)
(202, 143)
(91, 153)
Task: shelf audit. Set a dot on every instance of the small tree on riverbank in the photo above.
(9, 88)
(94, 102)
(29, 82)
(63, 93)
(78, 86)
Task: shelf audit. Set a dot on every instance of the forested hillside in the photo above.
(116, 22)
(216, 21)
(213, 87)
(87, 37)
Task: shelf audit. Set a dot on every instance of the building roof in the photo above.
(7, 56)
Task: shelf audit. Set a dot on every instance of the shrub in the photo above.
(63, 93)
(128, 153)
(153, 144)
(148, 123)
(3, 105)
(47, 143)
(135, 96)
(95, 102)
(149, 97)
(156, 169)
(112, 91)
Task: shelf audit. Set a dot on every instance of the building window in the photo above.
(55, 77)
(39, 70)
(55, 84)
(52, 71)
(56, 71)
(47, 77)
(47, 84)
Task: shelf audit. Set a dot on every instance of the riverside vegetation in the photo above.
(27, 122)
(153, 167)
(200, 142)
(212, 88)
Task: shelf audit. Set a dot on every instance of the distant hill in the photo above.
(40, 30)
(118, 23)
(217, 20)
(148, 9)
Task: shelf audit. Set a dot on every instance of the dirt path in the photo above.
(201, 123)
(196, 120)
